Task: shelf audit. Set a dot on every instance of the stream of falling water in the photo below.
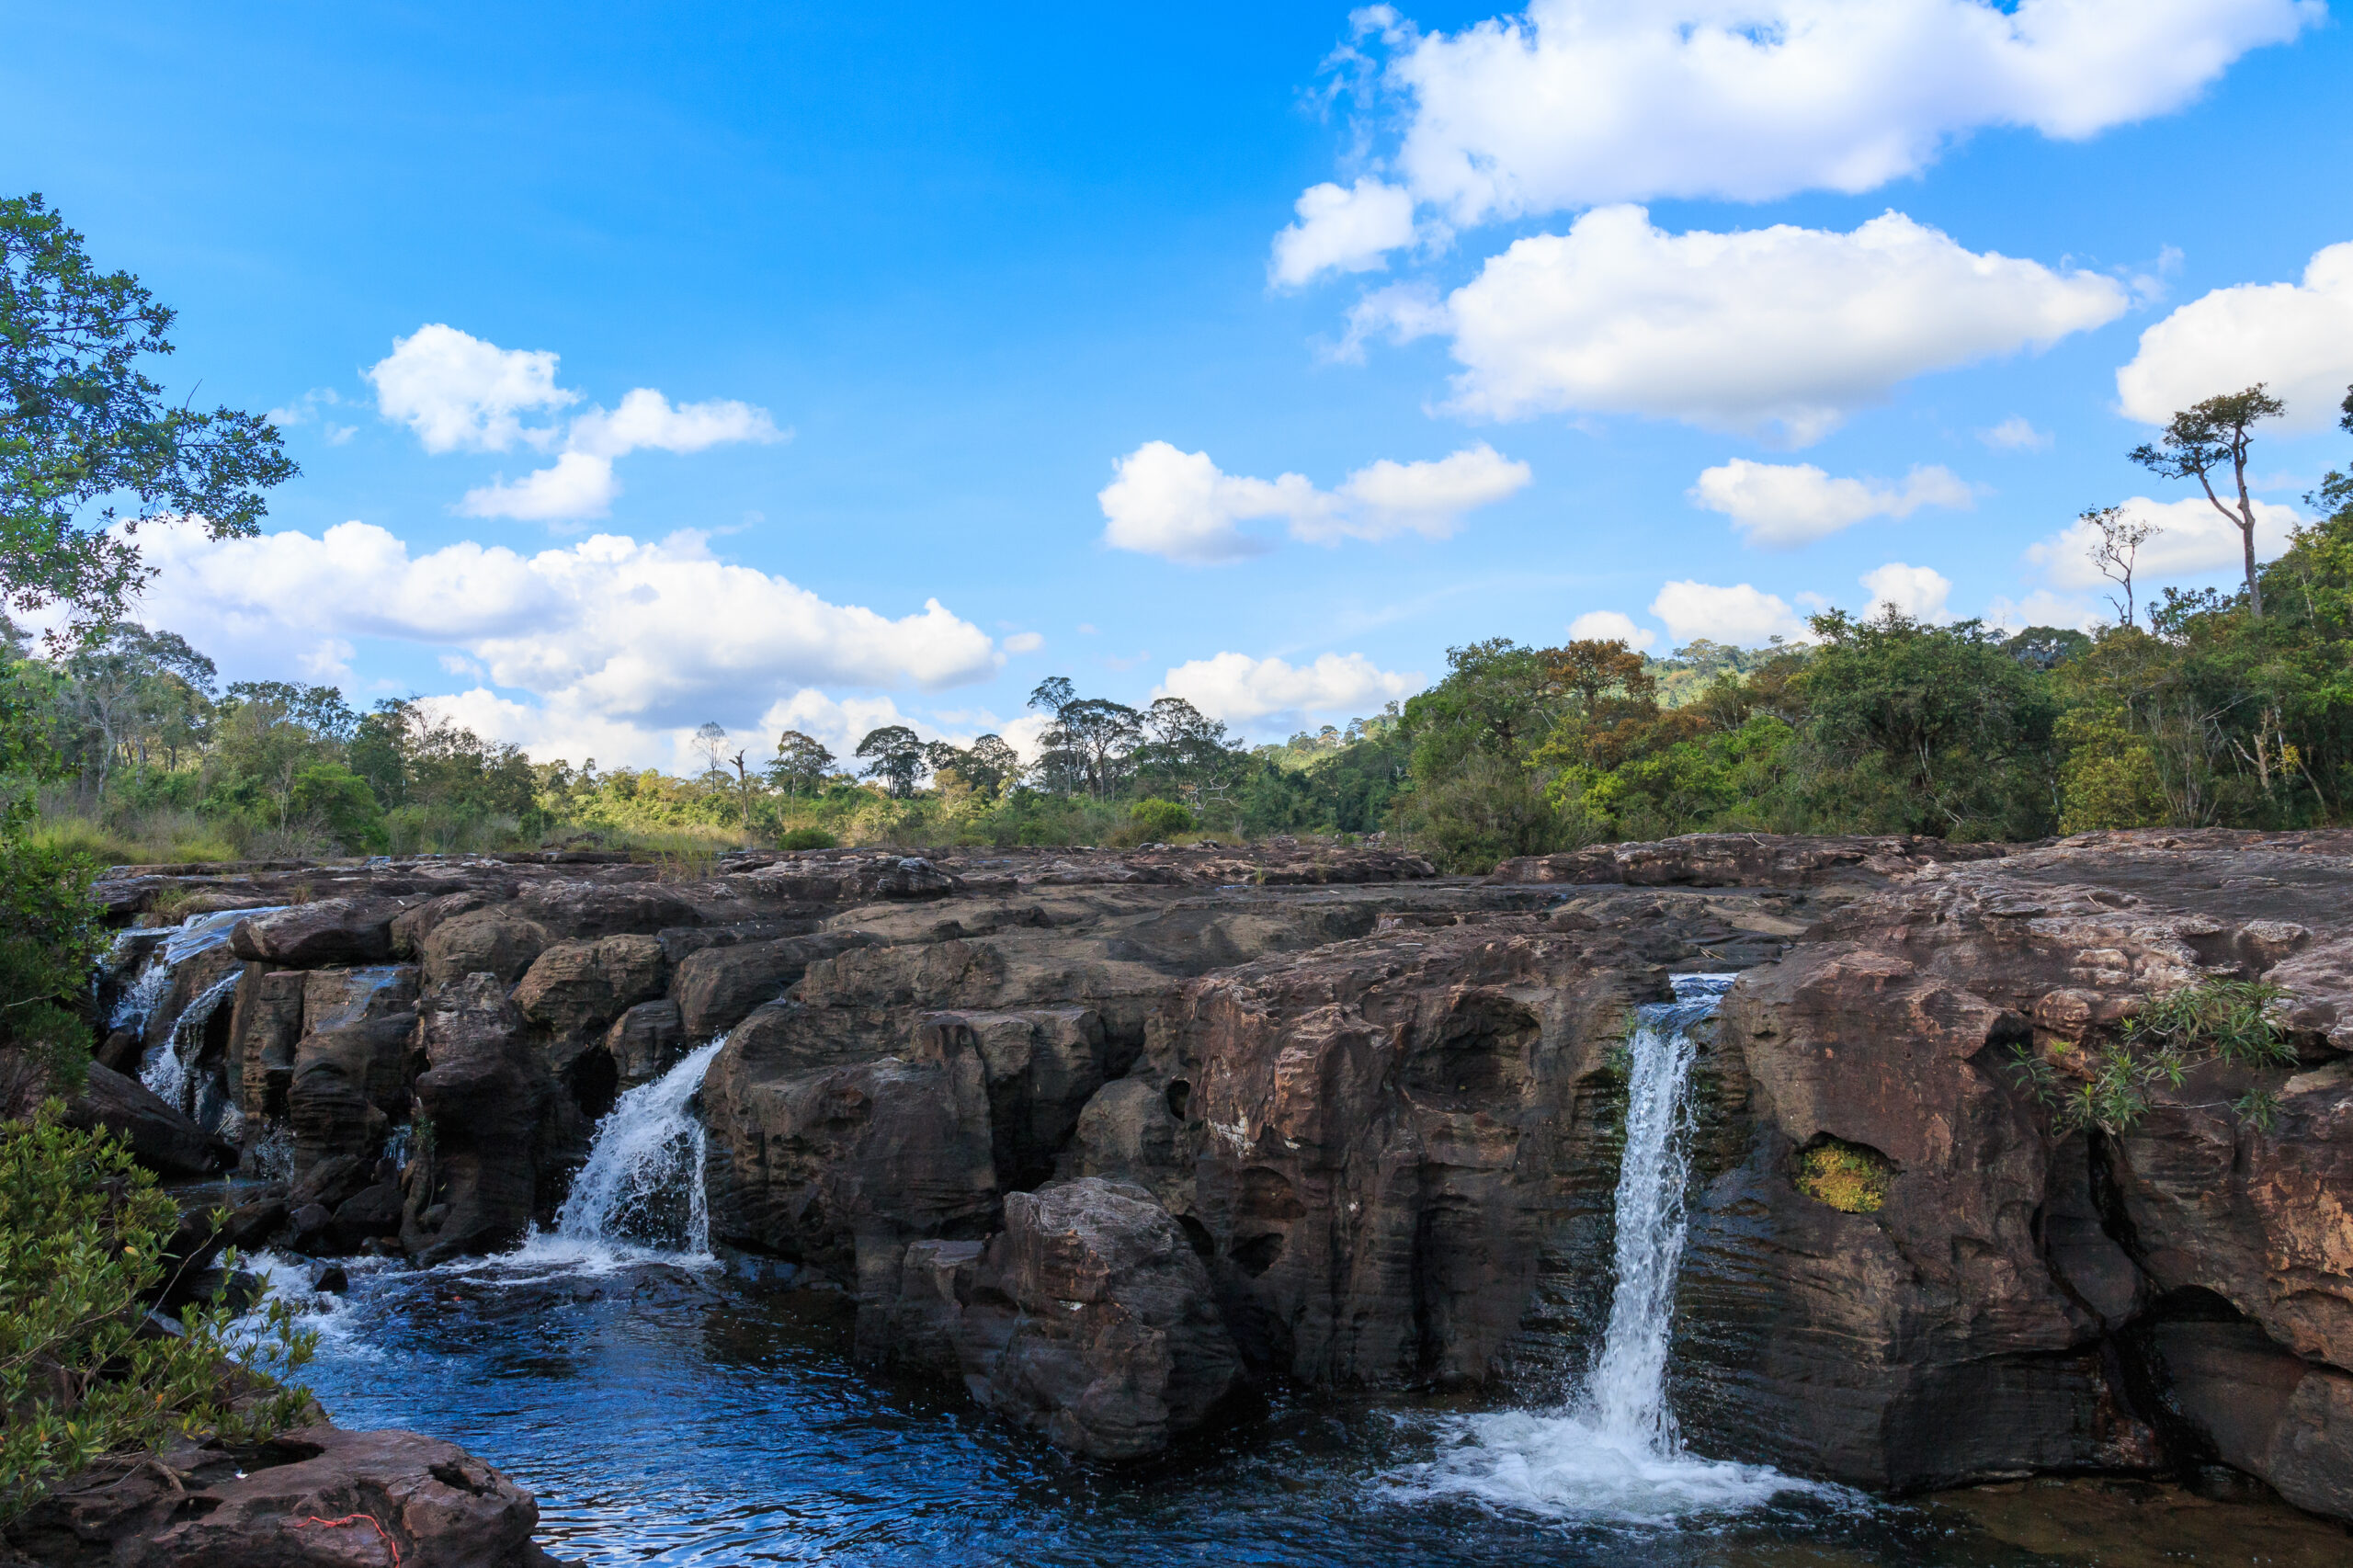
(1612, 1451)
(640, 1198)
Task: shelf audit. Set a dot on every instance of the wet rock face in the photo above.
(318, 1496)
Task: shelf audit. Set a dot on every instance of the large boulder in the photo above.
(717, 987)
(492, 940)
(310, 936)
(2013, 1300)
(160, 1137)
(317, 1497)
(1089, 1320)
(474, 1182)
(574, 991)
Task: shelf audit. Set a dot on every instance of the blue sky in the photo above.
(911, 287)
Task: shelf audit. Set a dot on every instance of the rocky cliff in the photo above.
(1116, 1139)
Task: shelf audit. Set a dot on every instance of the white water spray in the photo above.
(1613, 1451)
(644, 1181)
(166, 1072)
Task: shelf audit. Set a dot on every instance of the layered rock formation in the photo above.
(1114, 1138)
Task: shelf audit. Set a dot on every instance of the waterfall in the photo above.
(1612, 1451)
(644, 1181)
(1626, 1392)
(166, 1072)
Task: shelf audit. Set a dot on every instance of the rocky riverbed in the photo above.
(1132, 1151)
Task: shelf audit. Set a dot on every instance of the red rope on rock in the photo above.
(373, 1523)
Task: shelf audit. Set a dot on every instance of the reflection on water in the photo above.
(681, 1416)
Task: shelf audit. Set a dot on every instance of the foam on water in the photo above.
(1613, 1451)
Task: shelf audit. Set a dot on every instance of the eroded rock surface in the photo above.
(1311, 1114)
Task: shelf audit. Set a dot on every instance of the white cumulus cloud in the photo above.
(1182, 507)
(1342, 229)
(1783, 328)
(2194, 541)
(1239, 688)
(1742, 615)
(1783, 505)
(608, 630)
(1611, 625)
(1919, 592)
(457, 392)
(2297, 338)
(1578, 103)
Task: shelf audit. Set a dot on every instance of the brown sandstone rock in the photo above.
(317, 1497)
(160, 1138)
(575, 989)
(331, 930)
(492, 940)
(717, 987)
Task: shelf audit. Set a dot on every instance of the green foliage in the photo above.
(1161, 819)
(2232, 1018)
(82, 424)
(806, 838)
(1851, 1178)
(50, 930)
(82, 1237)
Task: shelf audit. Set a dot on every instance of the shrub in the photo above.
(2229, 1017)
(1161, 819)
(1850, 1177)
(82, 1236)
(806, 838)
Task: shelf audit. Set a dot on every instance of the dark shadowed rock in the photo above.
(841, 1168)
(1041, 1068)
(483, 1092)
(2265, 1410)
(1089, 1320)
(331, 930)
(263, 1033)
(160, 1138)
(645, 1042)
(350, 1081)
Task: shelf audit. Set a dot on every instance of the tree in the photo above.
(895, 754)
(81, 424)
(2202, 438)
(2120, 538)
(131, 689)
(711, 744)
(986, 770)
(800, 764)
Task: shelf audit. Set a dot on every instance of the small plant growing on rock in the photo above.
(2229, 1017)
(1850, 1177)
(806, 838)
(2226, 1019)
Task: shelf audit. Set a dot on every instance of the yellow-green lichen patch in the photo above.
(1850, 1177)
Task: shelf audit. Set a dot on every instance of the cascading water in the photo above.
(644, 1183)
(166, 1071)
(1613, 1450)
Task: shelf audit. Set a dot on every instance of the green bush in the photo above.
(1161, 819)
(806, 838)
(82, 1237)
